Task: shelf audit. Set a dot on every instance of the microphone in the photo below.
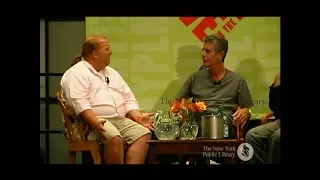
(106, 79)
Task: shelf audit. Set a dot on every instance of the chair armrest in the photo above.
(239, 130)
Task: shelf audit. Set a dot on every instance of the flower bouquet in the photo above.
(187, 110)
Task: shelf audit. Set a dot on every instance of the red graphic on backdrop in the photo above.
(209, 22)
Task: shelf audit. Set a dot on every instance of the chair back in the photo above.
(68, 116)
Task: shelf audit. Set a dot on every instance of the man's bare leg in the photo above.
(138, 150)
(113, 152)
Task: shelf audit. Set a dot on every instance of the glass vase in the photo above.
(157, 118)
(189, 129)
(175, 120)
(165, 128)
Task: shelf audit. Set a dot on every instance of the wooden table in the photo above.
(225, 148)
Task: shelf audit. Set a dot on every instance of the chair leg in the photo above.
(96, 155)
(192, 159)
(230, 160)
(72, 157)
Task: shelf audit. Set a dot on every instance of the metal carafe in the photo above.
(212, 126)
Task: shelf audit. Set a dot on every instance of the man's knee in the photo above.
(115, 142)
(262, 131)
(143, 138)
(137, 133)
(147, 136)
(250, 136)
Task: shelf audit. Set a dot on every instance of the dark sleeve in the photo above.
(185, 90)
(274, 99)
(244, 95)
(271, 99)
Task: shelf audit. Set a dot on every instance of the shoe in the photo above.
(214, 163)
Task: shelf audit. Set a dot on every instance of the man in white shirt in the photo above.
(99, 96)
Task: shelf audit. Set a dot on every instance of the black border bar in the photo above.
(50, 74)
(47, 89)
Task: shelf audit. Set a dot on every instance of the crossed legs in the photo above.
(265, 140)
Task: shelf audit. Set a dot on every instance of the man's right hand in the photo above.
(99, 126)
(92, 119)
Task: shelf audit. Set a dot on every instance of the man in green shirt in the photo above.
(218, 86)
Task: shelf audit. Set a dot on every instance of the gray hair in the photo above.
(220, 41)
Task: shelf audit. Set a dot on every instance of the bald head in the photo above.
(92, 43)
(96, 50)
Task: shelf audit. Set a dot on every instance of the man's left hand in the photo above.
(146, 121)
(240, 117)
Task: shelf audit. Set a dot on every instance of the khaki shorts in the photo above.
(127, 129)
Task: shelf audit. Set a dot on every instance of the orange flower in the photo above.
(176, 105)
(184, 106)
(201, 106)
(192, 107)
(184, 102)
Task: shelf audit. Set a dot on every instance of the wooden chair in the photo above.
(239, 140)
(80, 144)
